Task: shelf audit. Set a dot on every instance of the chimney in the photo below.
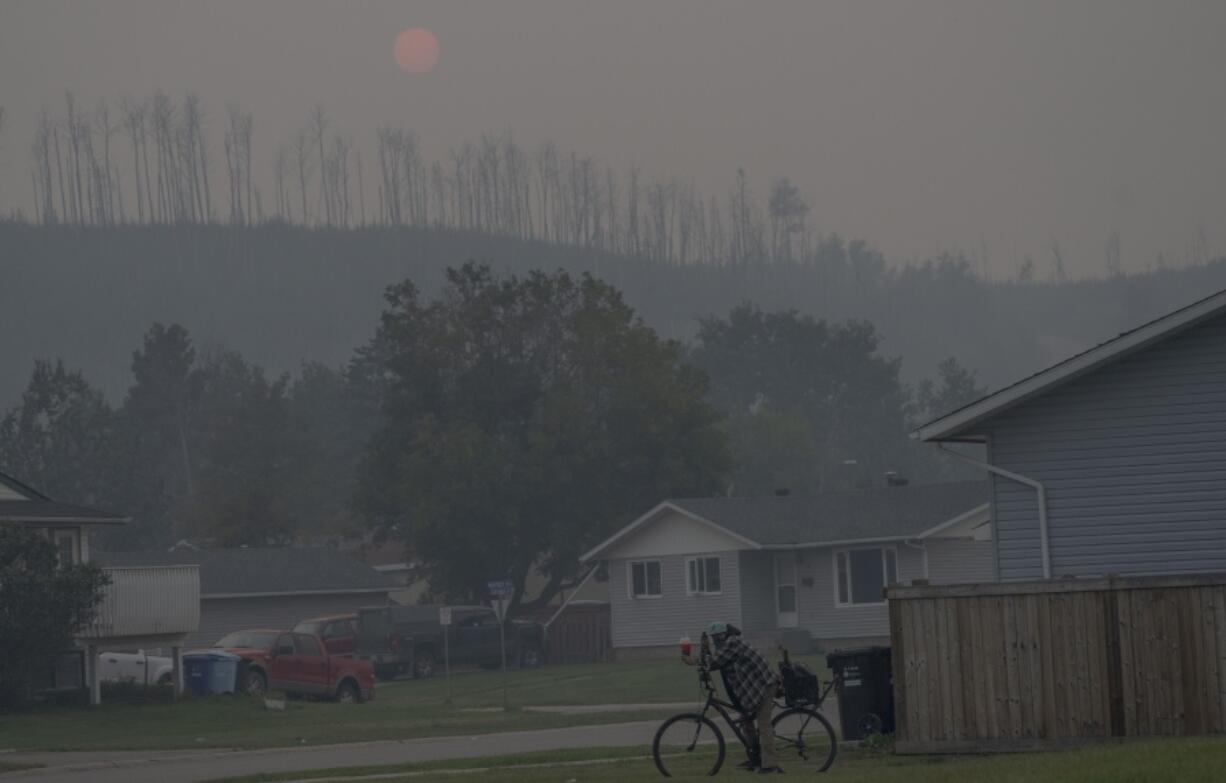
(892, 479)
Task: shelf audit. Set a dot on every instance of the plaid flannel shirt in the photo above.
(748, 673)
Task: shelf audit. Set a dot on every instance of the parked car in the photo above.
(138, 667)
(409, 639)
(338, 631)
(299, 664)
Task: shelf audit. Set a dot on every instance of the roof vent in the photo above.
(892, 479)
(782, 492)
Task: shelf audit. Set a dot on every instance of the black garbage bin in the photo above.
(866, 700)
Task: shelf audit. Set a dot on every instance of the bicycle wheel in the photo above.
(804, 740)
(686, 745)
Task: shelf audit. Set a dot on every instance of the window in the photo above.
(645, 579)
(65, 548)
(307, 645)
(702, 575)
(860, 575)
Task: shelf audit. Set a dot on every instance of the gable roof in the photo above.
(958, 424)
(24, 504)
(234, 573)
(827, 519)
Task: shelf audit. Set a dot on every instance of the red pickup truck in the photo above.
(298, 663)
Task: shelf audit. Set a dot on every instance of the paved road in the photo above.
(197, 765)
(160, 767)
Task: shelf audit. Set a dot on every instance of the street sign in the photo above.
(502, 588)
(444, 615)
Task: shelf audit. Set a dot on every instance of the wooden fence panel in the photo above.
(581, 634)
(1012, 665)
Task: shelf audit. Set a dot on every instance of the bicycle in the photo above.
(692, 744)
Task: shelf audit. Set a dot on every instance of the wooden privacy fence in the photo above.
(581, 634)
(1031, 664)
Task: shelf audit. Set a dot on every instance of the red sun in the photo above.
(416, 50)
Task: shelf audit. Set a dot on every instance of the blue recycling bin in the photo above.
(211, 672)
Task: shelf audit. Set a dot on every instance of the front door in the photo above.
(785, 589)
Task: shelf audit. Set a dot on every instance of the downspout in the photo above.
(1044, 548)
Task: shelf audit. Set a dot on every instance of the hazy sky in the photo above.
(921, 126)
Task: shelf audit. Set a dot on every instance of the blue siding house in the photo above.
(794, 569)
(1114, 461)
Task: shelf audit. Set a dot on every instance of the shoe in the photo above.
(770, 770)
(749, 765)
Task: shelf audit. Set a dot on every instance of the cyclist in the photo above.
(752, 682)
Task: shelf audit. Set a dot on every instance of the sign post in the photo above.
(444, 619)
(500, 593)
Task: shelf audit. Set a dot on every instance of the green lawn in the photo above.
(8, 766)
(401, 710)
(1200, 760)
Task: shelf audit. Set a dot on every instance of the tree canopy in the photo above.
(525, 418)
(42, 603)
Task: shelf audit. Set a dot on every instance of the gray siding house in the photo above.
(267, 587)
(1114, 461)
(799, 570)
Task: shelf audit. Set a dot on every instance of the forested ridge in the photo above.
(282, 294)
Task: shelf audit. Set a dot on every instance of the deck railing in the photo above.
(148, 601)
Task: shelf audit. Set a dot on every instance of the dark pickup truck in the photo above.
(409, 639)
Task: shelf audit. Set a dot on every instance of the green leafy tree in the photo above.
(524, 419)
(955, 387)
(60, 438)
(843, 401)
(237, 447)
(329, 421)
(153, 448)
(42, 604)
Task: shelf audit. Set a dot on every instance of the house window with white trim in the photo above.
(702, 576)
(645, 579)
(66, 548)
(861, 575)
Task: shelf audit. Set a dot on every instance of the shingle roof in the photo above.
(881, 513)
(22, 503)
(50, 512)
(884, 512)
(263, 571)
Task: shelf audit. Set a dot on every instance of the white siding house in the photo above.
(141, 607)
(800, 570)
(1114, 461)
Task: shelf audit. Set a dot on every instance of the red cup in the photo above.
(685, 645)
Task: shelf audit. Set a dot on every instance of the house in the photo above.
(1113, 461)
(801, 570)
(267, 587)
(143, 606)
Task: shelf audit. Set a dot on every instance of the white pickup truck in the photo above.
(135, 667)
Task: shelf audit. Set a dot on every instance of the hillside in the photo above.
(281, 294)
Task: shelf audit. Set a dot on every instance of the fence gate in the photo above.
(581, 634)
